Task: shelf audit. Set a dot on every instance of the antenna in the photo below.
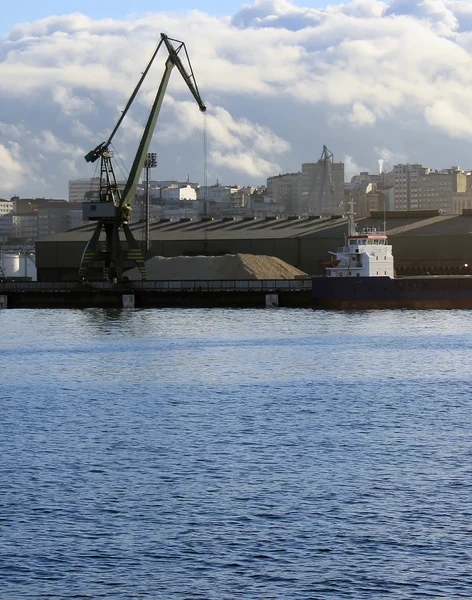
(2, 274)
(351, 226)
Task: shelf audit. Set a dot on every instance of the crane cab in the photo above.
(94, 211)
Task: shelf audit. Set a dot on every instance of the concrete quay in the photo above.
(157, 294)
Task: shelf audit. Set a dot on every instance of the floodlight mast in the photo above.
(112, 211)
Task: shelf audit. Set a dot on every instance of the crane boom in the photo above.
(129, 192)
(189, 78)
(127, 197)
(113, 209)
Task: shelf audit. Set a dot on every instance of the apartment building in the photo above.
(6, 211)
(25, 225)
(284, 190)
(419, 188)
(299, 193)
(84, 190)
(217, 193)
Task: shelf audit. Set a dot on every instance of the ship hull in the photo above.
(447, 292)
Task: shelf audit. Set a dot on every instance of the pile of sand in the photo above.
(228, 266)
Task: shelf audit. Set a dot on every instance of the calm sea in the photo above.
(220, 454)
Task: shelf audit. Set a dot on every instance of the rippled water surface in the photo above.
(219, 454)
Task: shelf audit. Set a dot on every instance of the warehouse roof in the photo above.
(271, 228)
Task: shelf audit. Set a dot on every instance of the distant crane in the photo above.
(325, 171)
(113, 209)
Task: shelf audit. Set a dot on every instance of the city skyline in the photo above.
(372, 80)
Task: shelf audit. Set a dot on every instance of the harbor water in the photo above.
(220, 454)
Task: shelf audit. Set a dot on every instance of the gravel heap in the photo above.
(228, 266)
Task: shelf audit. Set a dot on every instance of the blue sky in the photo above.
(32, 10)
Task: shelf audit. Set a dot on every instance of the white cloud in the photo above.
(70, 104)
(11, 169)
(361, 115)
(446, 115)
(435, 12)
(247, 163)
(351, 167)
(237, 144)
(280, 79)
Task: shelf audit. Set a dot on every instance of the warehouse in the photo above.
(424, 240)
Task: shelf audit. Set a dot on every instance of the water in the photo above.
(222, 454)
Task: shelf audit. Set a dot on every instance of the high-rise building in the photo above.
(284, 190)
(326, 180)
(420, 188)
(299, 193)
(81, 190)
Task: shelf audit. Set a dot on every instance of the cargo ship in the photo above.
(361, 275)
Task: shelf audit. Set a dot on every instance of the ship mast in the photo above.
(351, 226)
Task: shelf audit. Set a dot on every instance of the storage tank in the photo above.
(16, 264)
(28, 267)
(11, 264)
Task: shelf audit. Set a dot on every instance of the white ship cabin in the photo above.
(365, 254)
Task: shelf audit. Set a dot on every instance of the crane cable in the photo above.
(205, 163)
(124, 171)
(205, 183)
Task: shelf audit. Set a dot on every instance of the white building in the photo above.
(174, 193)
(217, 193)
(6, 206)
(6, 211)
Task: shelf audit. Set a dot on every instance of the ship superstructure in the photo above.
(365, 254)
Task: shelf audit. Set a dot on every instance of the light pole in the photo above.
(149, 163)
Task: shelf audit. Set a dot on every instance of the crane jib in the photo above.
(127, 197)
(112, 211)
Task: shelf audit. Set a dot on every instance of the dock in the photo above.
(157, 294)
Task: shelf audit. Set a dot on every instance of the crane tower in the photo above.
(112, 211)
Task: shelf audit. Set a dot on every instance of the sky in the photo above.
(33, 10)
(387, 81)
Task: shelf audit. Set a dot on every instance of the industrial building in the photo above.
(423, 239)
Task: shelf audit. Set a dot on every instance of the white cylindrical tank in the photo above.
(11, 264)
(28, 267)
(18, 264)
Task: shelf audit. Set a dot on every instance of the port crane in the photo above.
(326, 174)
(112, 211)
